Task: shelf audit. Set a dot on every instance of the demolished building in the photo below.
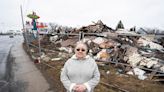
(132, 53)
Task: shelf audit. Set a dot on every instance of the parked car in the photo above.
(11, 36)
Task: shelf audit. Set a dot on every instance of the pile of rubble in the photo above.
(138, 55)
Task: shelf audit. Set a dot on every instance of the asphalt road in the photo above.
(17, 72)
(5, 46)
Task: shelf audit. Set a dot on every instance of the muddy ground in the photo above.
(112, 80)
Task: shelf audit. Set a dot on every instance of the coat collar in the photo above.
(74, 57)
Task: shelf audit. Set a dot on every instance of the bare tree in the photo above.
(54, 27)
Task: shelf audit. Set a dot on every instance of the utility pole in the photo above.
(24, 29)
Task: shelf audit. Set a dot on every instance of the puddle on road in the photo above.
(15, 85)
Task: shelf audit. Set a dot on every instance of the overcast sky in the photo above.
(77, 13)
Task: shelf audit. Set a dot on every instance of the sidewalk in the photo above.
(27, 76)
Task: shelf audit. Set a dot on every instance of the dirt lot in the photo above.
(111, 79)
(112, 82)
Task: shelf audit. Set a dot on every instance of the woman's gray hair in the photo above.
(81, 42)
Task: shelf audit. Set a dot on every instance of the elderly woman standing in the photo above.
(80, 72)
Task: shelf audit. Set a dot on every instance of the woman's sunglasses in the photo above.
(80, 49)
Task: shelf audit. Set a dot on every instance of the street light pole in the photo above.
(24, 29)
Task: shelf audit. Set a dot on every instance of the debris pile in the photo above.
(130, 52)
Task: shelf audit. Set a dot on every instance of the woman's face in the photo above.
(81, 51)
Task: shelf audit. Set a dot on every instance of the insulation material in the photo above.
(162, 68)
(67, 49)
(139, 72)
(99, 40)
(106, 45)
(151, 44)
(134, 59)
(149, 62)
(103, 55)
(56, 59)
(46, 58)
